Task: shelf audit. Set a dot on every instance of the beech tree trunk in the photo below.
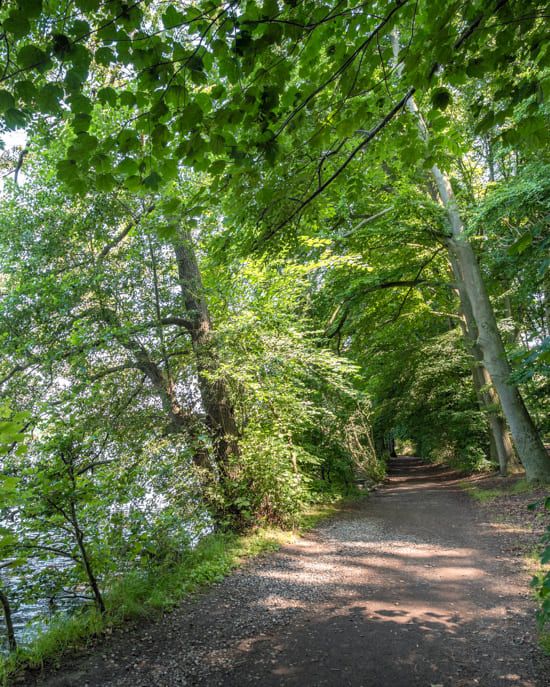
(529, 446)
(180, 419)
(487, 396)
(489, 401)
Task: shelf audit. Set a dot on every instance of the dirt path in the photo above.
(409, 587)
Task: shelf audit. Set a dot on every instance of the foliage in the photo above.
(480, 493)
(226, 285)
(541, 582)
(292, 396)
(440, 416)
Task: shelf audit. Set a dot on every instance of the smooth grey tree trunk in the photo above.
(487, 396)
(528, 443)
(220, 416)
(213, 387)
(529, 446)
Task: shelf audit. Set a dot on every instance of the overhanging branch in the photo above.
(368, 138)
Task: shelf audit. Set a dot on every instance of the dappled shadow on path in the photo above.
(410, 591)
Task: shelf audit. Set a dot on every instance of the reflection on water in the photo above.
(29, 618)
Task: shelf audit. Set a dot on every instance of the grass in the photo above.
(144, 593)
(480, 494)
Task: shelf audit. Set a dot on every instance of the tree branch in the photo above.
(19, 165)
(122, 235)
(366, 220)
(368, 138)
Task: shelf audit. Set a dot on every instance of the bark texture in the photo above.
(181, 420)
(219, 411)
(528, 443)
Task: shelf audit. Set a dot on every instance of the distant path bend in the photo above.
(406, 588)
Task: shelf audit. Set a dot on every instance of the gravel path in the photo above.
(409, 587)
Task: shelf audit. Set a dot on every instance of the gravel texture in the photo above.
(412, 586)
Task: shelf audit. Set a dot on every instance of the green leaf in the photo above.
(25, 91)
(66, 169)
(87, 5)
(80, 103)
(6, 101)
(172, 17)
(217, 144)
(107, 96)
(191, 115)
(171, 205)
(127, 99)
(270, 8)
(217, 167)
(81, 58)
(81, 122)
(104, 56)
(105, 182)
(127, 167)
(49, 97)
(192, 13)
(152, 181)
(9, 483)
(133, 183)
(485, 123)
(14, 119)
(30, 8)
(476, 67)
(84, 144)
(31, 56)
(128, 141)
(73, 80)
(61, 45)
(167, 231)
(80, 28)
(441, 99)
(521, 244)
(101, 163)
(175, 95)
(17, 24)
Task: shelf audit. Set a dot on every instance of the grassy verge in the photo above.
(482, 494)
(145, 593)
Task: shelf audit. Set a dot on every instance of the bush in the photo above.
(541, 582)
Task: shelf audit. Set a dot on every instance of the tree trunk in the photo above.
(489, 401)
(219, 411)
(12, 643)
(213, 388)
(180, 419)
(526, 438)
(487, 396)
(528, 443)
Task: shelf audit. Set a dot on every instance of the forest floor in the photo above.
(418, 584)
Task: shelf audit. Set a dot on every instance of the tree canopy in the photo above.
(247, 246)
